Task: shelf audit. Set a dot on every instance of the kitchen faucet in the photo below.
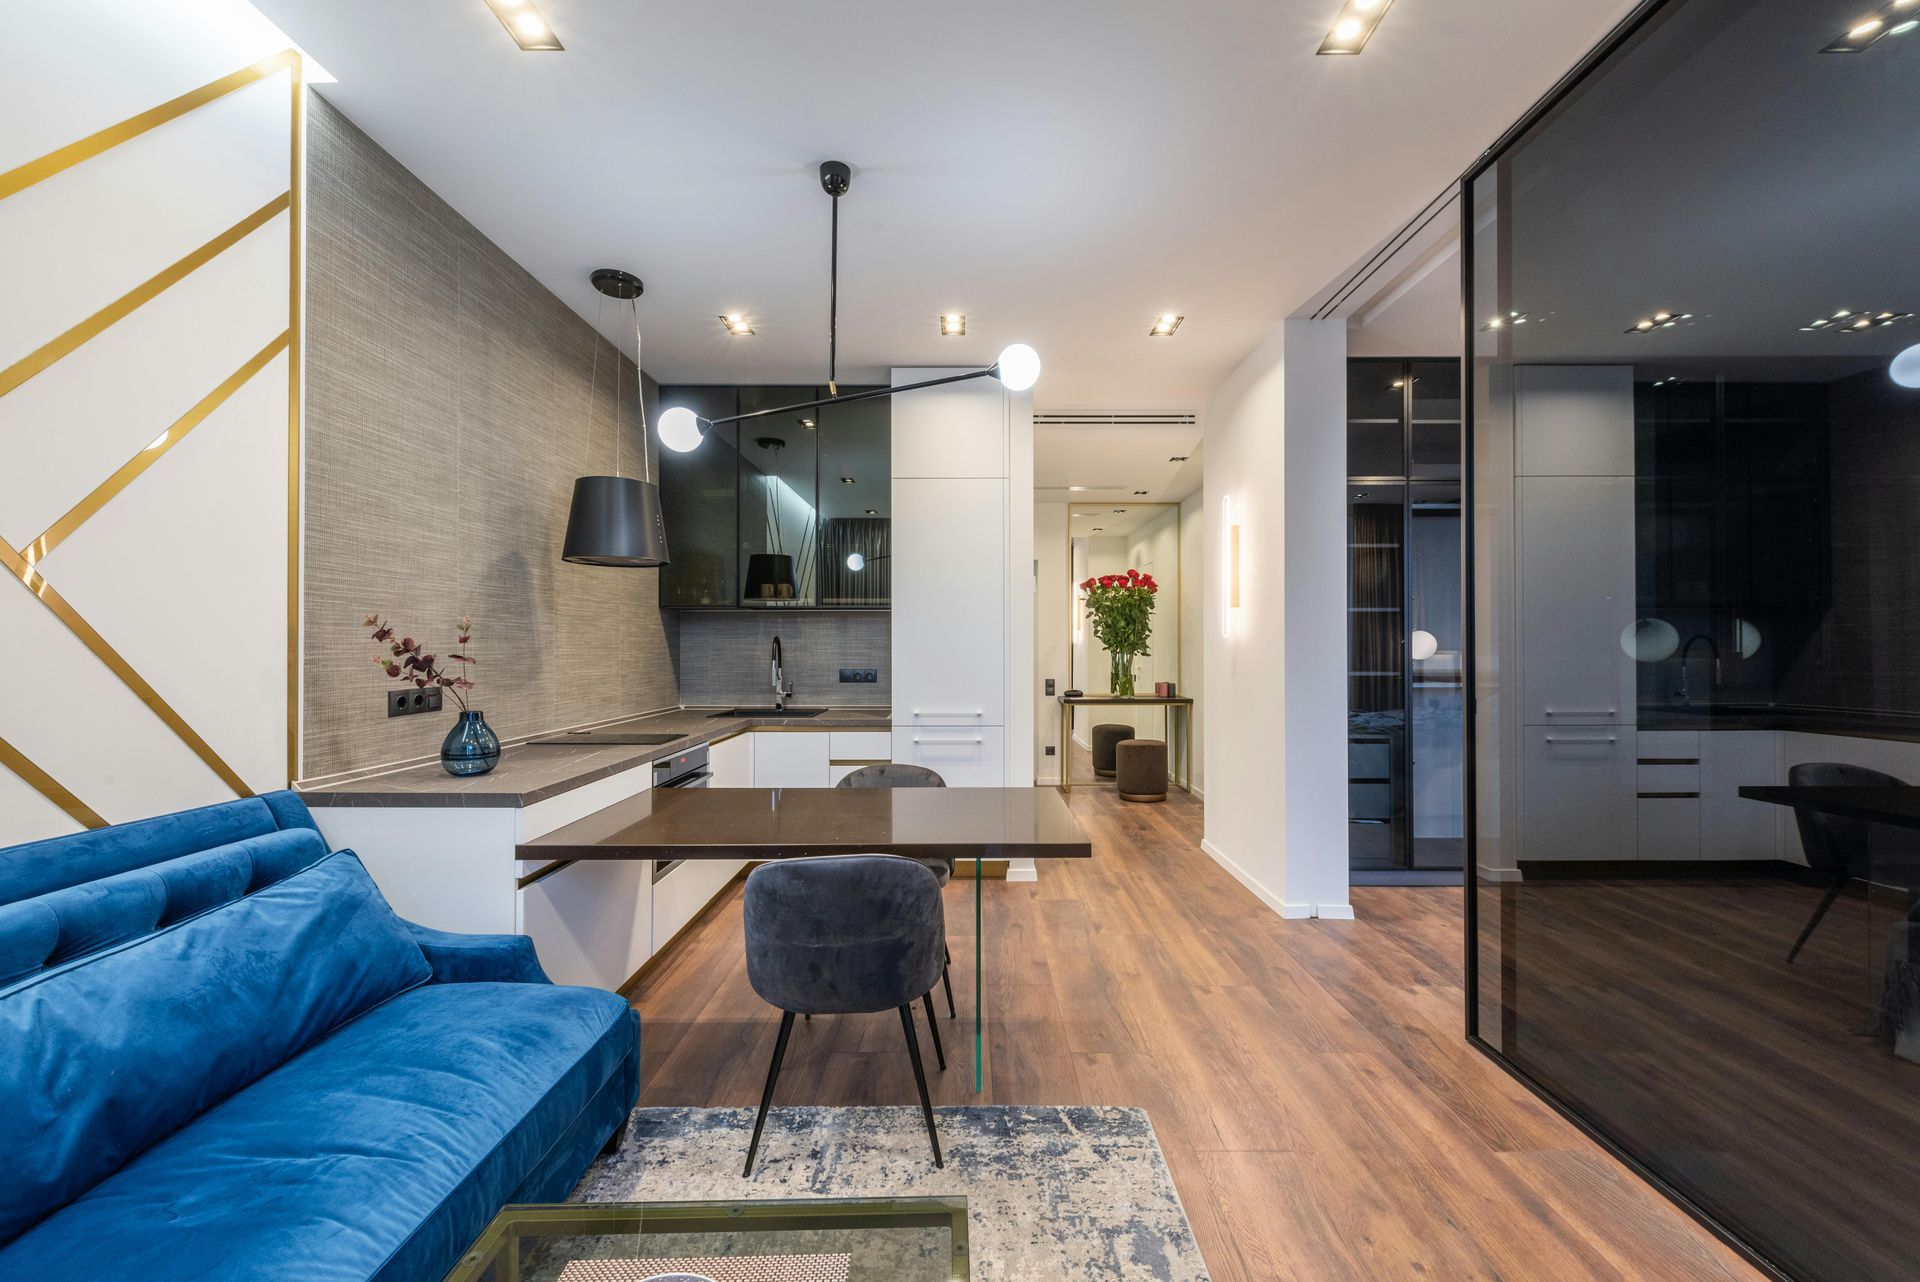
(1714, 649)
(781, 690)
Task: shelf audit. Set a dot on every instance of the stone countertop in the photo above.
(527, 774)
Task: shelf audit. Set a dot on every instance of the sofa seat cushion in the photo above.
(379, 1152)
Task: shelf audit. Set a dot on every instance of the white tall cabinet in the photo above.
(962, 615)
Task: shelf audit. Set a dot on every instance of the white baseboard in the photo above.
(1290, 911)
(1022, 870)
(1334, 912)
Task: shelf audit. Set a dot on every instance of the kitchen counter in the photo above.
(527, 774)
(1834, 721)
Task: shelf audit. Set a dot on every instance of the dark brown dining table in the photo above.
(966, 824)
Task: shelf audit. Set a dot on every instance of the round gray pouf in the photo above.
(1142, 766)
(1105, 739)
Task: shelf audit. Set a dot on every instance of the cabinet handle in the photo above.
(975, 713)
(1609, 739)
(1581, 712)
(975, 739)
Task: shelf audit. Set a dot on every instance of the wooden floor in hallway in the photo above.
(1322, 1114)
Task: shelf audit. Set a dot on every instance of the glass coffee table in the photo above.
(809, 1240)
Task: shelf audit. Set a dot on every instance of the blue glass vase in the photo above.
(471, 747)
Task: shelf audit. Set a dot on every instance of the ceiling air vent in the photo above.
(1097, 418)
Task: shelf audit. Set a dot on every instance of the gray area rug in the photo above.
(1052, 1193)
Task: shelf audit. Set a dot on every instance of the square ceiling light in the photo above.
(528, 27)
(1354, 27)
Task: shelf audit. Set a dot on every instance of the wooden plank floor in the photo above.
(1321, 1111)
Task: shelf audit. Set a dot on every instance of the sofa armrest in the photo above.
(478, 959)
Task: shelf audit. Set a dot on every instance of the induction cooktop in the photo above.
(602, 739)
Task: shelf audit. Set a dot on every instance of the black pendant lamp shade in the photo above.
(615, 521)
(767, 574)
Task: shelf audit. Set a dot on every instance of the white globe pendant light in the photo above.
(1019, 367)
(1906, 367)
(680, 429)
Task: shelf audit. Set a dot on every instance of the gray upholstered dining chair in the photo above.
(901, 775)
(845, 935)
(1839, 846)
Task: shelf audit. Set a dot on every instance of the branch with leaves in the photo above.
(406, 660)
(1121, 607)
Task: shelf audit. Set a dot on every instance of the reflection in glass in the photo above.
(1695, 550)
(779, 517)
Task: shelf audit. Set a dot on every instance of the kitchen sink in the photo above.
(770, 711)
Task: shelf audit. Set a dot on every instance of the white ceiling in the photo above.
(1062, 172)
(1110, 464)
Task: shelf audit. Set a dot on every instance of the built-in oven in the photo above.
(682, 770)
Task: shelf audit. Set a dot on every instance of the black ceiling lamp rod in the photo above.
(866, 394)
(836, 176)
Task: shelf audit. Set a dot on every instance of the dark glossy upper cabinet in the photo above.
(787, 512)
(699, 500)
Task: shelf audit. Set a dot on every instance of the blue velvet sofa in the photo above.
(222, 1056)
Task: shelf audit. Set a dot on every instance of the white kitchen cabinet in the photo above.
(1577, 794)
(1667, 829)
(790, 759)
(1732, 827)
(730, 762)
(591, 920)
(1576, 597)
(963, 756)
(959, 430)
(949, 646)
(859, 746)
(1574, 420)
(687, 887)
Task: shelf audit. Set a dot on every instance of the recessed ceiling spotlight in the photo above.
(1165, 325)
(1848, 321)
(737, 325)
(1354, 26)
(1119, 511)
(524, 23)
(1891, 20)
(873, 511)
(1662, 319)
(808, 423)
(1667, 382)
(1075, 488)
(1138, 493)
(846, 480)
(953, 325)
(1098, 528)
(1179, 458)
(1510, 319)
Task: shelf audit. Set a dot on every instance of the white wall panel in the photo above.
(109, 399)
(30, 816)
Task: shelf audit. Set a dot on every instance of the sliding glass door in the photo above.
(1404, 694)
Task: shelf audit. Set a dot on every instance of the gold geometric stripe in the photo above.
(25, 176)
(32, 363)
(104, 493)
(49, 787)
(34, 583)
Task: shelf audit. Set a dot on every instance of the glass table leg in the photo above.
(979, 981)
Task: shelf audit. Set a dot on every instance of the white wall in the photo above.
(1052, 635)
(163, 628)
(1275, 729)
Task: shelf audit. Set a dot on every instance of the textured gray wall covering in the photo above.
(447, 417)
(724, 654)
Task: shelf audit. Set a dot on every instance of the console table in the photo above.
(1178, 710)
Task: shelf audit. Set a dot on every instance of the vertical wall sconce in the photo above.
(1230, 559)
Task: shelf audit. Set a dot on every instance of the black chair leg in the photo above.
(946, 978)
(933, 1024)
(773, 1075)
(920, 1079)
(1833, 893)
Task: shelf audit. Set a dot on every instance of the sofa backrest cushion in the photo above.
(39, 867)
(112, 910)
(105, 1056)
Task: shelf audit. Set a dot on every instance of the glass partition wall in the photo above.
(1404, 635)
(1693, 414)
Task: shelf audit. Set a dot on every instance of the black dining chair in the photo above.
(845, 935)
(1837, 845)
(902, 775)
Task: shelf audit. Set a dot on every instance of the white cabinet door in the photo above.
(860, 745)
(731, 762)
(949, 602)
(1574, 420)
(684, 891)
(789, 759)
(956, 430)
(1577, 794)
(1732, 827)
(1668, 829)
(963, 756)
(1576, 597)
(591, 921)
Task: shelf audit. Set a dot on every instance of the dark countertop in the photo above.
(527, 774)
(771, 823)
(1899, 806)
(1834, 721)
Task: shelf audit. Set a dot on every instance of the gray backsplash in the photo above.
(447, 416)
(724, 655)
